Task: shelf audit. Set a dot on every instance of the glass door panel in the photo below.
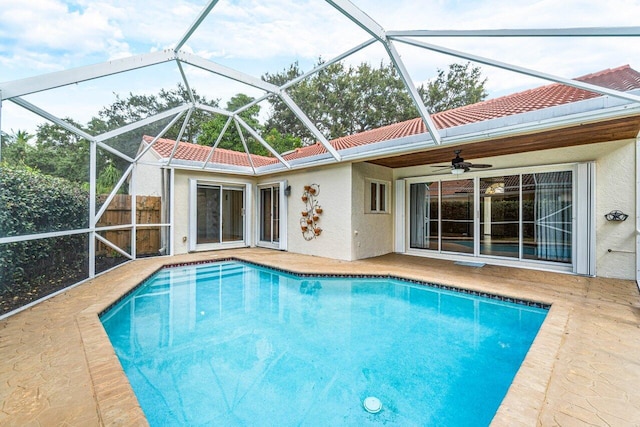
(275, 228)
(208, 214)
(232, 215)
(270, 214)
(265, 214)
(457, 216)
(500, 216)
(547, 213)
(424, 216)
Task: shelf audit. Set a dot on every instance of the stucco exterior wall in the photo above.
(148, 177)
(335, 241)
(372, 233)
(335, 197)
(615, 190)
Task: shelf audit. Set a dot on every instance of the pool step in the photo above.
(213, 272)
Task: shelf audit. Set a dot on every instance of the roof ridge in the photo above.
(603, 72)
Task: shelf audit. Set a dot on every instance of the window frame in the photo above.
(382, 188)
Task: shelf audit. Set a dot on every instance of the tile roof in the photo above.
(199, 153)
(623, 78)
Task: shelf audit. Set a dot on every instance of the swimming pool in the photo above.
(237, 344)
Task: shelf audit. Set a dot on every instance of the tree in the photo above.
(137, 107)
(58, 152)
(461, 86)
(231, 139)
(281, 117)
(15, 147)
(281, 143)
(342, 100)
(107, 179)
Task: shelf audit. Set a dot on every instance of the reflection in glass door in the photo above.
(500, 216)
(270, 214)
(457, 216)
(232, 215)
(208, 214)
(547, 216)
(424, 215)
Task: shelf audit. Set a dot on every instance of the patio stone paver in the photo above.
(58, 368)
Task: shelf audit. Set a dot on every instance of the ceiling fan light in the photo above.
(457, 171)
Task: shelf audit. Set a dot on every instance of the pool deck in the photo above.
(57, 367)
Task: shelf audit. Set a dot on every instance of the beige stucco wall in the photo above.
(148, 177)
(372, 233)
(615, 189)
(335, 198)
(335, 241)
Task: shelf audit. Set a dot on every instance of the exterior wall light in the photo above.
(616, 216)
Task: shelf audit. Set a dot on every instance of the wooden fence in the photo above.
(148, 209)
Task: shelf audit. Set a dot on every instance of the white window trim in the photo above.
(367, 192)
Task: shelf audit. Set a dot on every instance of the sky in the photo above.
(259, 36)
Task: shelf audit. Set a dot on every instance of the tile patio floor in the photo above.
(57, 367)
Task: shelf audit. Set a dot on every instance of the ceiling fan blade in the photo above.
(479, 165)
(439, 166)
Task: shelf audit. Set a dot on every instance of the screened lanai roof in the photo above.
(190, 57)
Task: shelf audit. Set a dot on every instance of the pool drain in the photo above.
(372, 405)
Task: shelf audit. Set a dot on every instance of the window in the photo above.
(377, 196)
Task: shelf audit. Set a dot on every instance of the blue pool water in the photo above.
(232, 344)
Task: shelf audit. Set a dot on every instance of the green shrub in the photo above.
(30, 203)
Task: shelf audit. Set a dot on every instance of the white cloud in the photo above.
(47, 24)
(257, 36)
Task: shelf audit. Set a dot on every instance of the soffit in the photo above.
(589, 133)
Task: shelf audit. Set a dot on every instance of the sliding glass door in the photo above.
(219, 214)
(269, 227)
(526, 216)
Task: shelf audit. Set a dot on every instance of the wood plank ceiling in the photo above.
(582, 134)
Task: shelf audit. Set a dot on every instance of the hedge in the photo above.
(31, 203)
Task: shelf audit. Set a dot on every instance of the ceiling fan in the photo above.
(458, 165)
